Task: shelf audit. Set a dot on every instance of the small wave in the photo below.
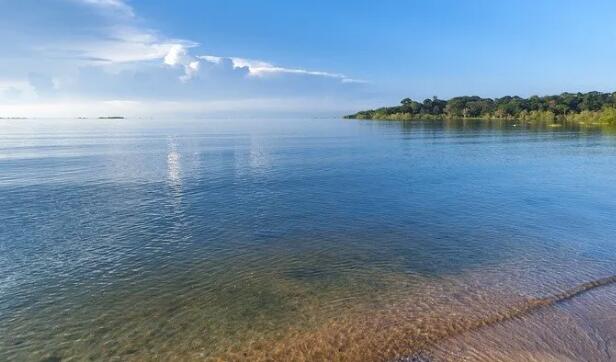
(398, 333)
(525, 308)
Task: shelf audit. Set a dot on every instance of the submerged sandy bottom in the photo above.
(576, 324)
(580, 329)
(503, 313)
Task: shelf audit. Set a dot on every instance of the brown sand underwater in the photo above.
(475, 316)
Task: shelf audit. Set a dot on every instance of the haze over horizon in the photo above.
(69, 58)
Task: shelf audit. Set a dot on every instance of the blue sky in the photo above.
(138, 57)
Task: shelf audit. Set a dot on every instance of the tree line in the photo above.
(581, 107)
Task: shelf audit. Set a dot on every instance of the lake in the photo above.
(306, 239)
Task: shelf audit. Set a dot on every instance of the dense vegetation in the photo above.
(592, 107)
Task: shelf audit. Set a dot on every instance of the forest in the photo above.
(591, 107)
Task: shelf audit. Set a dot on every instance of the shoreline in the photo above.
(591, 107)
(558, 122)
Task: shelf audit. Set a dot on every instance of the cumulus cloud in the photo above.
(105, 51)
(178, 56)
(259, 68)
(130, 44)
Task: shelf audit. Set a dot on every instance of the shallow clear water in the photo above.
(300, 238)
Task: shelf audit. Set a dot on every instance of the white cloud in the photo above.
(126, 43)
(193, 67)
(259, 68)
(117, 5)
(357, 81)
(212, 59)
(105, 51)
(99, 32)
(178, 56)
(175, 55)
(129, 44)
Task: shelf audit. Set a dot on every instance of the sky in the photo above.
(70, 58)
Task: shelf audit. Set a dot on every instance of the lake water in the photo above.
(306, 239)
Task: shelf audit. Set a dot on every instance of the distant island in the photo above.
(584, 108)
(111, 117)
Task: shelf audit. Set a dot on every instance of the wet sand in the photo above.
(579, 329)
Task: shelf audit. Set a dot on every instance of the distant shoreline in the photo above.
(583, 108)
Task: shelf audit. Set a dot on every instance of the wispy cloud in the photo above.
(259, 68)
(117, 5)
(108, 33)
(107, 51)
(129, 43)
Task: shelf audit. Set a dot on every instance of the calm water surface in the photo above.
(305, 239)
